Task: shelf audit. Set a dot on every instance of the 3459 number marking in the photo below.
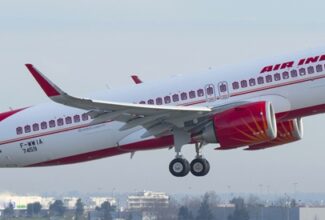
(30, 146)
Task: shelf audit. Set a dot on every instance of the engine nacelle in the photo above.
(245, 125)
(288, 131)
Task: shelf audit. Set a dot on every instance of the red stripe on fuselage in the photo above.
(150, 144)
(48, 133)
(114, 151)
(303, 112)
(281, 116)
(277, 85)
(157, 143)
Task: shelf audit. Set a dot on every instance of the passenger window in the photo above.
(310, 70)
(19, 130)
(200, 93)
(183, 96)
(268, 78)
(158, 101)
(142, 102)
(252, 82)
(60, 122)
(85, 117)
(260, 80)
(294, 73)
(210, 90)
(319, 68)
(175, 98)
(235, 85)
(35, 127)
(27, 129)
(44, 125)
(302, 72)
(285, 75)
(76, 118)
(243, 83)
(151, 102)
(52, 124)
(68, 120)
(192, 94)
(277, 77)
(167, 100)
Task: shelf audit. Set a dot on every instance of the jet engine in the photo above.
(248, 124)
(287, 132)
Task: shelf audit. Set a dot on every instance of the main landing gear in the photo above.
(180, 167)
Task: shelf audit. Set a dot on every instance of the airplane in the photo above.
(253, 106)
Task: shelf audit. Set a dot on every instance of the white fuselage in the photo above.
(25, 142)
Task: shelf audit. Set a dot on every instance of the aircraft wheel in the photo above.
(179, 167)
(200, 167)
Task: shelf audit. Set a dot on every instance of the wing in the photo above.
(157, 119)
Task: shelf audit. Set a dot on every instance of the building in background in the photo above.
(148, 200)
(70, 202)
(20, 202)
(155, 205)
(97, 201)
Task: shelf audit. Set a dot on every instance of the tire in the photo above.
(200, 167)
(179, 167)
(207, 168)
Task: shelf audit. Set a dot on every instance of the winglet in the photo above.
(136, 79)
(48, 87)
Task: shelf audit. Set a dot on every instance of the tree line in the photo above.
(57, 209)
(189, 208)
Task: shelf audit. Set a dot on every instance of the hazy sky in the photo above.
(86, 45)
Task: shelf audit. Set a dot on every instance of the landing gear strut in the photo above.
(199, 166)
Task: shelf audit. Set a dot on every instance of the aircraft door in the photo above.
(210, 92)
(223, 90)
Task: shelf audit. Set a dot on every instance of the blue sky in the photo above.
(85, 45)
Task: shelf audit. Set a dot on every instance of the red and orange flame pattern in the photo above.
(287, 133)
(242, 126)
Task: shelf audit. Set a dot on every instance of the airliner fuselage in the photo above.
(63, 133)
